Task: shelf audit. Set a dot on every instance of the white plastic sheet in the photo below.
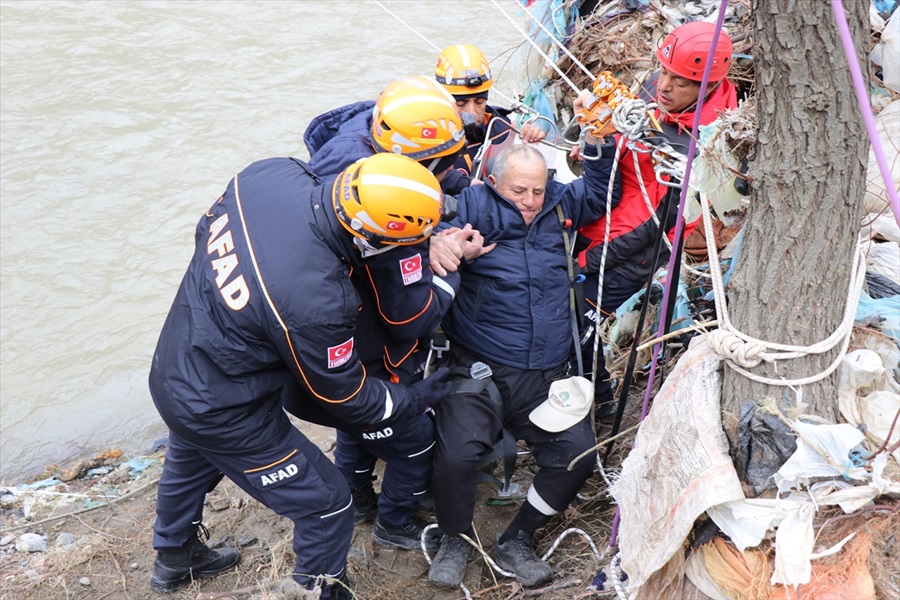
(887, 53)
(887, 123)
(679, 467)
(822, 451)
(710, 177)
(869, 395)
(793, 546)
(884, 259)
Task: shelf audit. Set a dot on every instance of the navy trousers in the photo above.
(292, 477)
(406, 447)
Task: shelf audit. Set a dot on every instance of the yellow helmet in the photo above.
(388, 199)
(416, 117)
(463, 70)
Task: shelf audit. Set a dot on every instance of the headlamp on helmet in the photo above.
(463, 70)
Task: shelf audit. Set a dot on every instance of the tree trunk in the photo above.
(808, 174)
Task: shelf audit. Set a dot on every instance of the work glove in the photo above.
(425, 394)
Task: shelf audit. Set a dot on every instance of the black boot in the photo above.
(176, 567)
(365, 503)
(337, 590)
(406, 536)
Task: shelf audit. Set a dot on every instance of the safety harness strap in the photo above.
(508, 443)
(573, 308)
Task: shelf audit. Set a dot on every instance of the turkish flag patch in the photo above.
(429, 133)
(411, 269)
(396, 225)
(338, 355)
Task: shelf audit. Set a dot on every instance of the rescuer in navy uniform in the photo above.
(267, 311)
(415, 117)
(463, 70)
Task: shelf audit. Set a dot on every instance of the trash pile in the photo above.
(694, 523)
(89, 483)
(826, 524)
(621, 36)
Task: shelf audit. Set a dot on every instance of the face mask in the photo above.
(367, 249)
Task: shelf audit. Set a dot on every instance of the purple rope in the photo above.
(864, 107)
(679, 228)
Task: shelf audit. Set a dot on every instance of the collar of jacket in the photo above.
(327, 226)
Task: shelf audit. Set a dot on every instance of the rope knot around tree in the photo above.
(732, 348)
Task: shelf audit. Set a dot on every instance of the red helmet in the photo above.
(685, 50)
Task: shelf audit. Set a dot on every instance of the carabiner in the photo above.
(582, 144)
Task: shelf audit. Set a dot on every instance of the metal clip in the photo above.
(479, 370)
(581, 145)
(435, 351)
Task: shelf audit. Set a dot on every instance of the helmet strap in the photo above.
(368, 249)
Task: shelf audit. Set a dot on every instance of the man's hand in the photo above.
(584, 98)
(447, 248)
(531, 134)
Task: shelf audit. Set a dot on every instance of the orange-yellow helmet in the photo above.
(388, 199)
(416, 117)
(463, 70)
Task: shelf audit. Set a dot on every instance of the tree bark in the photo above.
(808, 173)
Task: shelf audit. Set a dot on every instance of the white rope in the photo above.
(563, 535)
(408, 26)
(601, 273)
(631, 116)
(614, 564)
(515, 104)
(557, 42)
(494, 565)
(742, 352)
(534, 44)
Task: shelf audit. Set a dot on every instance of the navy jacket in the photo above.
(268, 301)
(512, 306)
(337, 139)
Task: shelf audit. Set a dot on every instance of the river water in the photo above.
(119, 123)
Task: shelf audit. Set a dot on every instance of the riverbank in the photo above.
(91, 537)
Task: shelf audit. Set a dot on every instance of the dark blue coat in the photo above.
(512, 306)
(268, 301)
(337, 139)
